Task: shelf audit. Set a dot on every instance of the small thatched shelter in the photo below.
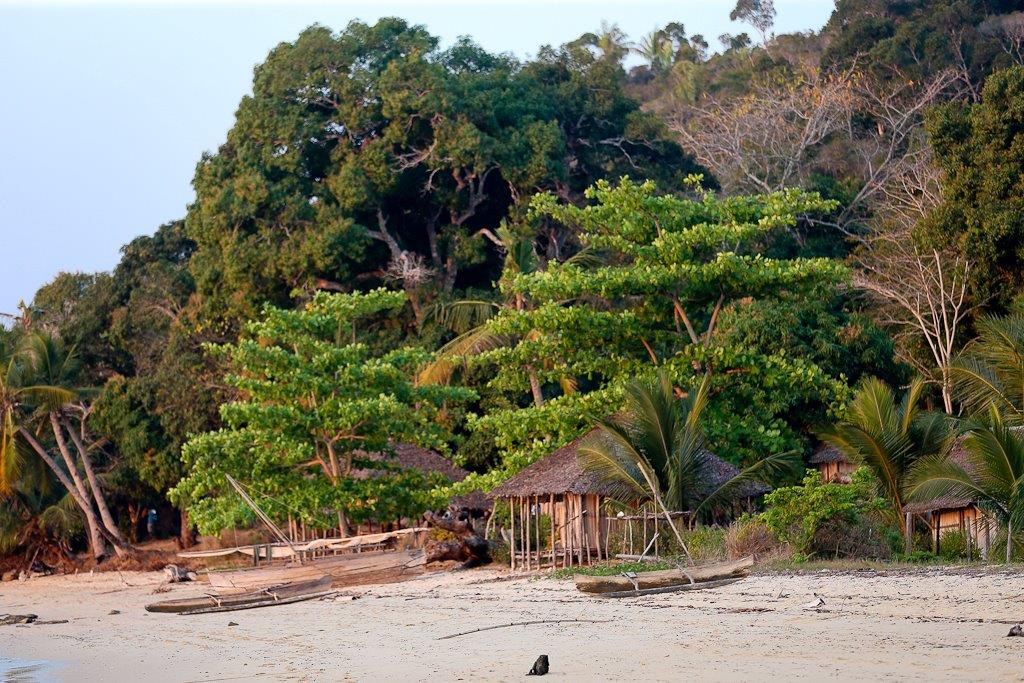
(556, 492)
(832, 464)
(951, 513)
(409, 456)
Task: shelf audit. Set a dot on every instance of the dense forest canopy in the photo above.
(403, 241)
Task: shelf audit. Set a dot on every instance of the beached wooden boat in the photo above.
(283, 594)
(663, 579)
(344, 570)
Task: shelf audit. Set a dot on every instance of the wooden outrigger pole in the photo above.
(263, 517)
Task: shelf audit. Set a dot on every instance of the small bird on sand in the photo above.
(815, 604)
(540, 667)
(1016, 631)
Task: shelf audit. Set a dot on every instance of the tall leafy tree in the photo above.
(312, 401)
(671, 267)
(372, 155)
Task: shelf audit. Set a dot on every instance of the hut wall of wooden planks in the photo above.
(556, 530)
(557, 513)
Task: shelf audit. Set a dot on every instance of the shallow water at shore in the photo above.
(25, 671)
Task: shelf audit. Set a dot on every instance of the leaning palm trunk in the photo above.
(120, 545)
(97, 492)
(96, 541)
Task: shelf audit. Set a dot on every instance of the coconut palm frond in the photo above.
(937, 476)
(978, 384)
(588, 257)
(991, 370)
(611, 462)
(462, 316)
(452, 355)
(47, 398)
(766, 470)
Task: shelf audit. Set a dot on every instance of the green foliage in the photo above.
(371, 150)
(613, 569)
(313, 399)
(795, 514)
(978, 146)
(670, 266)
(953, 545)
(889, 437)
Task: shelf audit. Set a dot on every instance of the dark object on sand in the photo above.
(1016, 631)
(11, 619)
(540, 667)
(232, 623)
(176, 574)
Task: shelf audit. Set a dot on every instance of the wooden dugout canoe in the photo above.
(343, 570)
(663, 579)
(292, 592)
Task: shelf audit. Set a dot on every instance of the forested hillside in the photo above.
(399, 240)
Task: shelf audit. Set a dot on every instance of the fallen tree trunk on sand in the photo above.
(468, 547)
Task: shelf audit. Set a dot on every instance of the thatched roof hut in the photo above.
(955, 513)
(409, 456)
(831, 463)
(556, 486)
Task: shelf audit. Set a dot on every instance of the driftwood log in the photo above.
(468, 547)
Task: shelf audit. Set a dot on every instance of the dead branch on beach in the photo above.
(528, 623)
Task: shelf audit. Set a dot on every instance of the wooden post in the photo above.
(526, 527)
(585, 519)
(551, 515)
(512, 531)
(908, 543)
(1009, 542)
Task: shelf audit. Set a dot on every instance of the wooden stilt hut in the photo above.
(951, 513)
(832, 464)
(556, 512)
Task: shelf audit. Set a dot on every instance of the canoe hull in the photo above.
(663, 579)
(287, 592)
(343, 570)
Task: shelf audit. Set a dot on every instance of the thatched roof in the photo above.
(959, 455)
(409, 456)
(827, 453)
(560, 472)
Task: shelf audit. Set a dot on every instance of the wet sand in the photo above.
(930, 625)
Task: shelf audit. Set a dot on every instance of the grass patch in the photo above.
(613, 569)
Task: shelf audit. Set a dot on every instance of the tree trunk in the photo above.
(471, 549)
(947, 390)
(96, 541)
(97, 492)
(535, 388)
(188, 539)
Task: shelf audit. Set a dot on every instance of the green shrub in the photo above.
(997, 551)
(953, 545)
(796, 514)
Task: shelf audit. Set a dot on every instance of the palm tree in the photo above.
(612, 42)
(654, 449)
(657, 50)
(58, 366)
(31, 399)
(889, 438)
(994, 475)
(990, 370)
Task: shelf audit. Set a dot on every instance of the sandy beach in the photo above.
(924, 625)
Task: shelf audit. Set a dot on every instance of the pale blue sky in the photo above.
(105, 109)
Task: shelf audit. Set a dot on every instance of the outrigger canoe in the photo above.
(669, 578)
(264, 597)
(351, 569)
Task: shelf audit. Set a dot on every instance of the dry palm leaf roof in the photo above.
(959, 455)
(410, 456)
(560, 473)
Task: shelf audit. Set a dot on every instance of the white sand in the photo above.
(935, 625)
